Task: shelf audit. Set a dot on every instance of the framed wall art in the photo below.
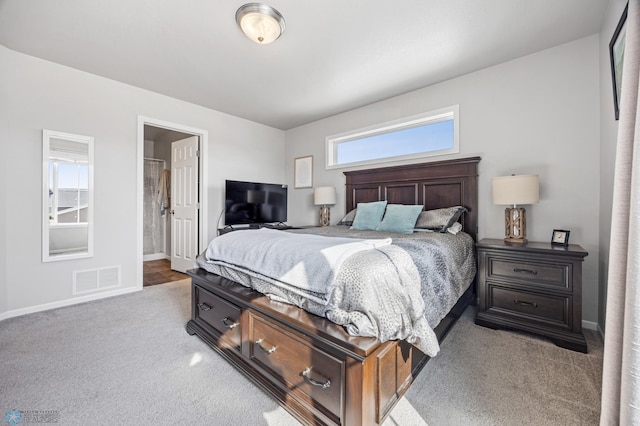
(616, 54)
(303, 172)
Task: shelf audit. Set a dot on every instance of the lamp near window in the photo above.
(324, 196)
(515, 190)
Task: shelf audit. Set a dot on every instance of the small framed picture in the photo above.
(560, 237)
(303, 172)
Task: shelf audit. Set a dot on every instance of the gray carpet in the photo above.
(128, 360)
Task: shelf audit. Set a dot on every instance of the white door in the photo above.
(184, 203)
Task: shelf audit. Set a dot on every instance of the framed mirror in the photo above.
(67, 196)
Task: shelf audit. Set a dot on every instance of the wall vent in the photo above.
(96, 279)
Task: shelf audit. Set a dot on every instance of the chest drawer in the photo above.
(545, 309)
(538, 273)
(216, 312)
(314, 376)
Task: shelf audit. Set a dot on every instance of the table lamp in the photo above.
(515, 190)
(324, 196)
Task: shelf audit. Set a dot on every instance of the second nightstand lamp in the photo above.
(324, 196)
(515, 190)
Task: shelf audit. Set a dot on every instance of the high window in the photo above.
(424, 135)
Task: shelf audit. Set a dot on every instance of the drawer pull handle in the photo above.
(230, 325)
(307, 375)
(267, 351)
(525, 271)
(521, 302)
(204, 306)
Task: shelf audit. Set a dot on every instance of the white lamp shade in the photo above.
(324, 195)
(516, 190)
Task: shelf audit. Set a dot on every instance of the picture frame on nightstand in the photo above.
(560, 237)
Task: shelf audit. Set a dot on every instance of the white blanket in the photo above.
(304, 264)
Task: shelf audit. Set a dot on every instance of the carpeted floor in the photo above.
(127, 360)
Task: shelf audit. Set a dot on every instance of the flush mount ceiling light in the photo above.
(261, 23)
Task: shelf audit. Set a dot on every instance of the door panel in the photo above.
(184, 200)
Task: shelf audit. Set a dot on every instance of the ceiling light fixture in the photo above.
(261, 23)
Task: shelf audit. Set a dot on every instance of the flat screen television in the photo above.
(254, 203)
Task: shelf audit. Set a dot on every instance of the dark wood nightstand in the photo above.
(535, 287)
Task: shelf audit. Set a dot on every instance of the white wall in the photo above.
(608, 136)
(44, 95)
(536, 114)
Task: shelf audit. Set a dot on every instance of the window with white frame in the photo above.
(424, 135)
(68, 182)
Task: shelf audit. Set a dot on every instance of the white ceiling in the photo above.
(335, 55)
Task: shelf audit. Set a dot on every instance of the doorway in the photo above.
(160, 254)
(160, 272)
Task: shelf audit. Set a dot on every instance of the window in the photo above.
(429, 134)
(68, 192)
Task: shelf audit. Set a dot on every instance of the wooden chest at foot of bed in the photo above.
(312, 367)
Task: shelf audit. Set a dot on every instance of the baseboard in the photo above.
(601, 331)
(590, 325)
(68, 302)
(156, 256)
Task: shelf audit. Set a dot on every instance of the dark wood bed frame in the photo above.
(312, 367)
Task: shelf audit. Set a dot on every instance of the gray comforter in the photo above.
(398, 291)
(305, 264)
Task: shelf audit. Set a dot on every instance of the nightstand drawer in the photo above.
(545, 308)
(529, 271)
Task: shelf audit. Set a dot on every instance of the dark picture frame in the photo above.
(616, 55)
(560, 237)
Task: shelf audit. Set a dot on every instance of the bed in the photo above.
(313, 367)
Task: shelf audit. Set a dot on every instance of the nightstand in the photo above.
(535, 287)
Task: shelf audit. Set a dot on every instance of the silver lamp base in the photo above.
(325, 217)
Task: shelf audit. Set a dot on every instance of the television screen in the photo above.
(254, 203)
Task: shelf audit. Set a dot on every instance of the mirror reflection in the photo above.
(67, 196)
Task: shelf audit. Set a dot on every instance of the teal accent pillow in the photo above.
(400, 218)
(368, 215)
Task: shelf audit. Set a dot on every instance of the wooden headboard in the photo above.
(434, 185)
